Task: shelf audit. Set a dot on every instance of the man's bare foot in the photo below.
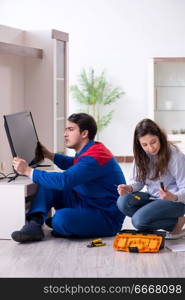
(179, 225)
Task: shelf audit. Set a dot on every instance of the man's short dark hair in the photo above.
(85, 122)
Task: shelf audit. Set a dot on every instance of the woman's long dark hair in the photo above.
(143, 128)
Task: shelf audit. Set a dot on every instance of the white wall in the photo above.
(116, 35)
(11, 88)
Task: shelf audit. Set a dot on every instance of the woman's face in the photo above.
(150, 144)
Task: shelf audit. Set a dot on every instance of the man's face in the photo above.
(72, 136)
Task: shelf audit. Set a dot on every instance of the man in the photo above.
(83, 196)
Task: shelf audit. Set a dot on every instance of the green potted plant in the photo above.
(93, 94)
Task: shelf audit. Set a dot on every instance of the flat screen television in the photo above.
(23, 138)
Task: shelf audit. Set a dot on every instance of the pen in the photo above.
(162, 185)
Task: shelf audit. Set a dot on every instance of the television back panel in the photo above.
(22, 135)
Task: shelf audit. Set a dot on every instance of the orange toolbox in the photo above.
(129, 240)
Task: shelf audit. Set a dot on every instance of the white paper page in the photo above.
(175, 246)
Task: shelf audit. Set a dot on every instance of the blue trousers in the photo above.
(71, 218)
(150, 214)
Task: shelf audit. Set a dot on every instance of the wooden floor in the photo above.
(71, 258)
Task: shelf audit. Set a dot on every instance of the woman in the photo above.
(155, 161)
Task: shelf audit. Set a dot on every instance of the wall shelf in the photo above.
(169, 86)
(8, 48)
(169, 59)
(169, 110)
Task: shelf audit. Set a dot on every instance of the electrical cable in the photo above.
(4, 176)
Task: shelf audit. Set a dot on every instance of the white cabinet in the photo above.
(178, 140)
(13, 198)
(167, 96)
(34, 71)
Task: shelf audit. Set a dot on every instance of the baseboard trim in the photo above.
(126, 159)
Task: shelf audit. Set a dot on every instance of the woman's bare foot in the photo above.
(179, 225)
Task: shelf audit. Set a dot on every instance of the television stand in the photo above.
(14, 197)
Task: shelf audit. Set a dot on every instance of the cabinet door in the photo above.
(169, 96)
(170, 74)
(60, 97)
(60, 93)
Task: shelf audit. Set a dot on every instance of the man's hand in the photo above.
(47, 154)
(21, 166)
(124, 189)
(167, 195)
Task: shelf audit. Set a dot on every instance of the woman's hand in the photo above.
(47, 154)
(21, 166)
(124, 189)
(167, 195)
